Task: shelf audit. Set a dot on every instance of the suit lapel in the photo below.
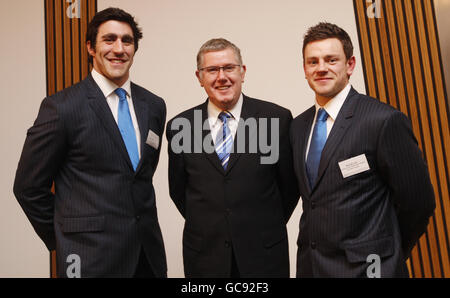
(340, 127)
(206, 130)
(141, 110)
(303, 136)
(246, 112)
(97, 102)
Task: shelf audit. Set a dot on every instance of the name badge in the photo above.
(152, 139)
(354, 165)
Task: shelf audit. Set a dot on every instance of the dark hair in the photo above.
(109, 14)
(326, 30)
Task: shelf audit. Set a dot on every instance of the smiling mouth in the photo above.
(223, 88)
(117, 61)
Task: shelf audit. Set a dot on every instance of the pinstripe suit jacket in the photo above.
(381, 211)
(245, 207)
(102, 210)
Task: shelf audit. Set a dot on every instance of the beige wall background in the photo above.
(22, 81)
(269, 34)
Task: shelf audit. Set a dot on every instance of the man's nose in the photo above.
(322, 66)
(118, 46)
(221, 74)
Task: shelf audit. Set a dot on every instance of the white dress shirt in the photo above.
(332, 107)
(216, 124)
(112, 99)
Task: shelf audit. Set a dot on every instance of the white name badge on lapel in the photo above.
(152, 139)
(354, 165)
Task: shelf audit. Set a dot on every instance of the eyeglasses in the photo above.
(214, 70)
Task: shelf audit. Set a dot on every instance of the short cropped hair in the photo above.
(325, 30)
(109, 14)
(217, 44)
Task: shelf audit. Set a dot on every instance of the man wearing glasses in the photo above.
(231, 177)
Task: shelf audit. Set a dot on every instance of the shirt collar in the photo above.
(107, 86)
(214, 111)
(333, 106)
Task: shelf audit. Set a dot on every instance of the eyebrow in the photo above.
(114, 36)
(326, 57)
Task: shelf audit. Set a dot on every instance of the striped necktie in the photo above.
(126, 127)
(224, 140)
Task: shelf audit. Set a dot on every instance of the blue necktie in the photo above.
(126, 127)
(318, 139)
(224, 140)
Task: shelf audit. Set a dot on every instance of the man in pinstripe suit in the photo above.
(366, 191)
(100, 144)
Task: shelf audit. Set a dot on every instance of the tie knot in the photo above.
(322, 115)
(224, 116)
(121, 93)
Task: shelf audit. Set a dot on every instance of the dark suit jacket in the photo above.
(102, 210)
(381, 211)
(245, 208)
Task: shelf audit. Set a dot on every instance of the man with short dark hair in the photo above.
(99, 142)
(231, 174)
(366, 191)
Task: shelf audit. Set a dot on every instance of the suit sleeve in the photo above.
(177, 174)
(406, 173)
(42, 154)
(285, 173)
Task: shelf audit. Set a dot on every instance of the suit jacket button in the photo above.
(313, 245)
(137, 217)
(313, 205)
(227, 244)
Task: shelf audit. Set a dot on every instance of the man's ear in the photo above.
(197, 74)
(244, 70)
(351, 63)
(91, 50)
